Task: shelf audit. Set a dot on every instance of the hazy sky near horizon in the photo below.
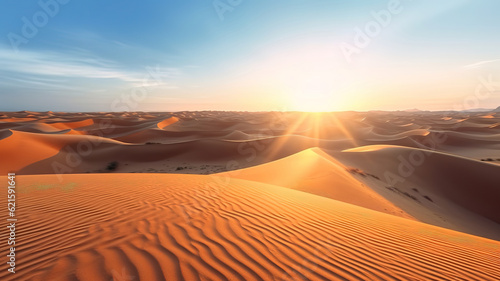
(311, 55)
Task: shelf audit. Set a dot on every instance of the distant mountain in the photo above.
(497, 109)
(479, 110)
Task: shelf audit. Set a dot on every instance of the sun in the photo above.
(316, 95)
(311, 102)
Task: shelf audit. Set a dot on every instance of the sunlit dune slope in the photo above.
(316, 172)
(20, 149)
(72, 125)
(180, 227)
(167, 122)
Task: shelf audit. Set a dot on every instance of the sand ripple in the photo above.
(181, 227)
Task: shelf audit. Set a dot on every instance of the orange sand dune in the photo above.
(5, 133)
(167, 122)
(214, 138)
(181, 227)
(14, 119)
(471, 138)
(39, 127)
(471, 183)
(72, 125)
(60, 127)
(167, 136)
(21, 149)
(316, 172)
(74, 132)
(108, 128)
(169, 156)
(295, 196)
(368, 185)
(143, 135)
(461, 193)
(386, 137)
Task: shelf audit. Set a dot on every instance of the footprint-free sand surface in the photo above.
(199, 227)
(254, 196)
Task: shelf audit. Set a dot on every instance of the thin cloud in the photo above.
(30, 65)
(481, 63)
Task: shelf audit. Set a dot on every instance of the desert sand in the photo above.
(254, 196)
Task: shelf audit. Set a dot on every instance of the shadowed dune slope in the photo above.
(460, 193)
(185, 227)
(471, 184)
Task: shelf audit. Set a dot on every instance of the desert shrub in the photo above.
(112, 166)
(356, 171)
(411, 196)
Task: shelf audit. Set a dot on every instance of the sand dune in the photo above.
(372, 177)
(461, 192)
(181, 227)
(167, 122)
(470, 183)
(24, 148)
(291, 196)
(314, 171)
(19, 149)
(72, 125)
(186, 139)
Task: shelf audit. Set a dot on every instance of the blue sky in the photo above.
(254, 55)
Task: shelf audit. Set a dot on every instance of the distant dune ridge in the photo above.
(276, 195)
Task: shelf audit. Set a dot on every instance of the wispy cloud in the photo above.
(43, 68)
(480, 63)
